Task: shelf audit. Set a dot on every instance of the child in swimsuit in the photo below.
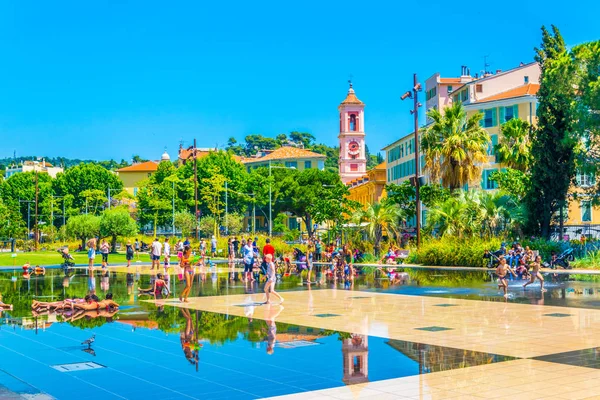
(501, 271)
(535, 273)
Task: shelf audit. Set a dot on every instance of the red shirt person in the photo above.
(269, 249)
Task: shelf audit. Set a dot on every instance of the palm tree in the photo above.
(455, 146)
(380, 217)
(514, 147)
(448, 219)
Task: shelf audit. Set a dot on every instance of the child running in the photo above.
(271, 278)
(535, 273)
(501, 271)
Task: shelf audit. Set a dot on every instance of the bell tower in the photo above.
(353, 161)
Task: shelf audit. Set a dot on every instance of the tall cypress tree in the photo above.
(554, 142)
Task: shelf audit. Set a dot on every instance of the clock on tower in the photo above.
(353, 162)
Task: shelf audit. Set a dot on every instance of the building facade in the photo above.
(499, 97)
(133, 175)
(370, 188)
(286, 156)
(33, 166)
(353, 160)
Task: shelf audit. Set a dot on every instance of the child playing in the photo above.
(501, 271)
(271, 278)
(535, 273)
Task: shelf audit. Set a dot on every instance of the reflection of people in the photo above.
(129, 278)
(272, 312)
(105, 282)
(188, 338)
(271, 278)
(4, 306)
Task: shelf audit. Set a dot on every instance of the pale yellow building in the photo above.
(136, 173)
(369, 188)
(288, 157)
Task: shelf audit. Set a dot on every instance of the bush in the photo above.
(453, 252)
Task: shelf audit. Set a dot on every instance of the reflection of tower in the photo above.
(355, 352)
(353, 161)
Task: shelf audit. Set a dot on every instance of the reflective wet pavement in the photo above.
(249, 350)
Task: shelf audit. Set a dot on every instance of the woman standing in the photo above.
(188, 273)
(91, 244)
(104, 250)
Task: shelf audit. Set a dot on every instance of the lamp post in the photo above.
(414, 95)
(173, 204)
(270, 197)
(28, 215)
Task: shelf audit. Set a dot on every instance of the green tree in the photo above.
(206, 225)
(512, 181)
(185, 222)
(455, 147)
(21, 186)
(404, 196)
(553, 141)
(83, 227)
(514, 148)
(94, 200)
(83, 177)
(303, 138)
(117, 222)
(212, 194)
(235, 223)
(301, 190)
(380, 217)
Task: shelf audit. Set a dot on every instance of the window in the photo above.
(489, 118)
(526, 79)
(449, 89)
(307, 164)
(585, 179)
(431, 93)
(491, 147)
(291, 164)
(586, 211)
(486, 182)
(479, 88)
(464, 96)
(353, 167)
(352, 122)
(508, 113)
(321, 164)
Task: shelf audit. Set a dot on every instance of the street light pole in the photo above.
(414, 95)
(226, 211)
(173, 203)
(270, 204)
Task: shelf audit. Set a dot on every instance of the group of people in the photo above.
(76, 308)
(526, 263)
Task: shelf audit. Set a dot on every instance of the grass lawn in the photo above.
(53, 258)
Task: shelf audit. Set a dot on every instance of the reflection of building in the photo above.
(353, 160)
(369, 188)
(287, 156)
(33, 166)
(355, 353)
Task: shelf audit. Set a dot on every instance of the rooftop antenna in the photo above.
(486, 64)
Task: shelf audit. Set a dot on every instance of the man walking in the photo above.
(155, 253)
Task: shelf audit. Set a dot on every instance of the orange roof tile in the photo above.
(526, 90)
(449, 80)
(148, 166)
(285, 152)
(351, 98)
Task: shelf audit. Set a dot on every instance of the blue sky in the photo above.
(110, 79)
